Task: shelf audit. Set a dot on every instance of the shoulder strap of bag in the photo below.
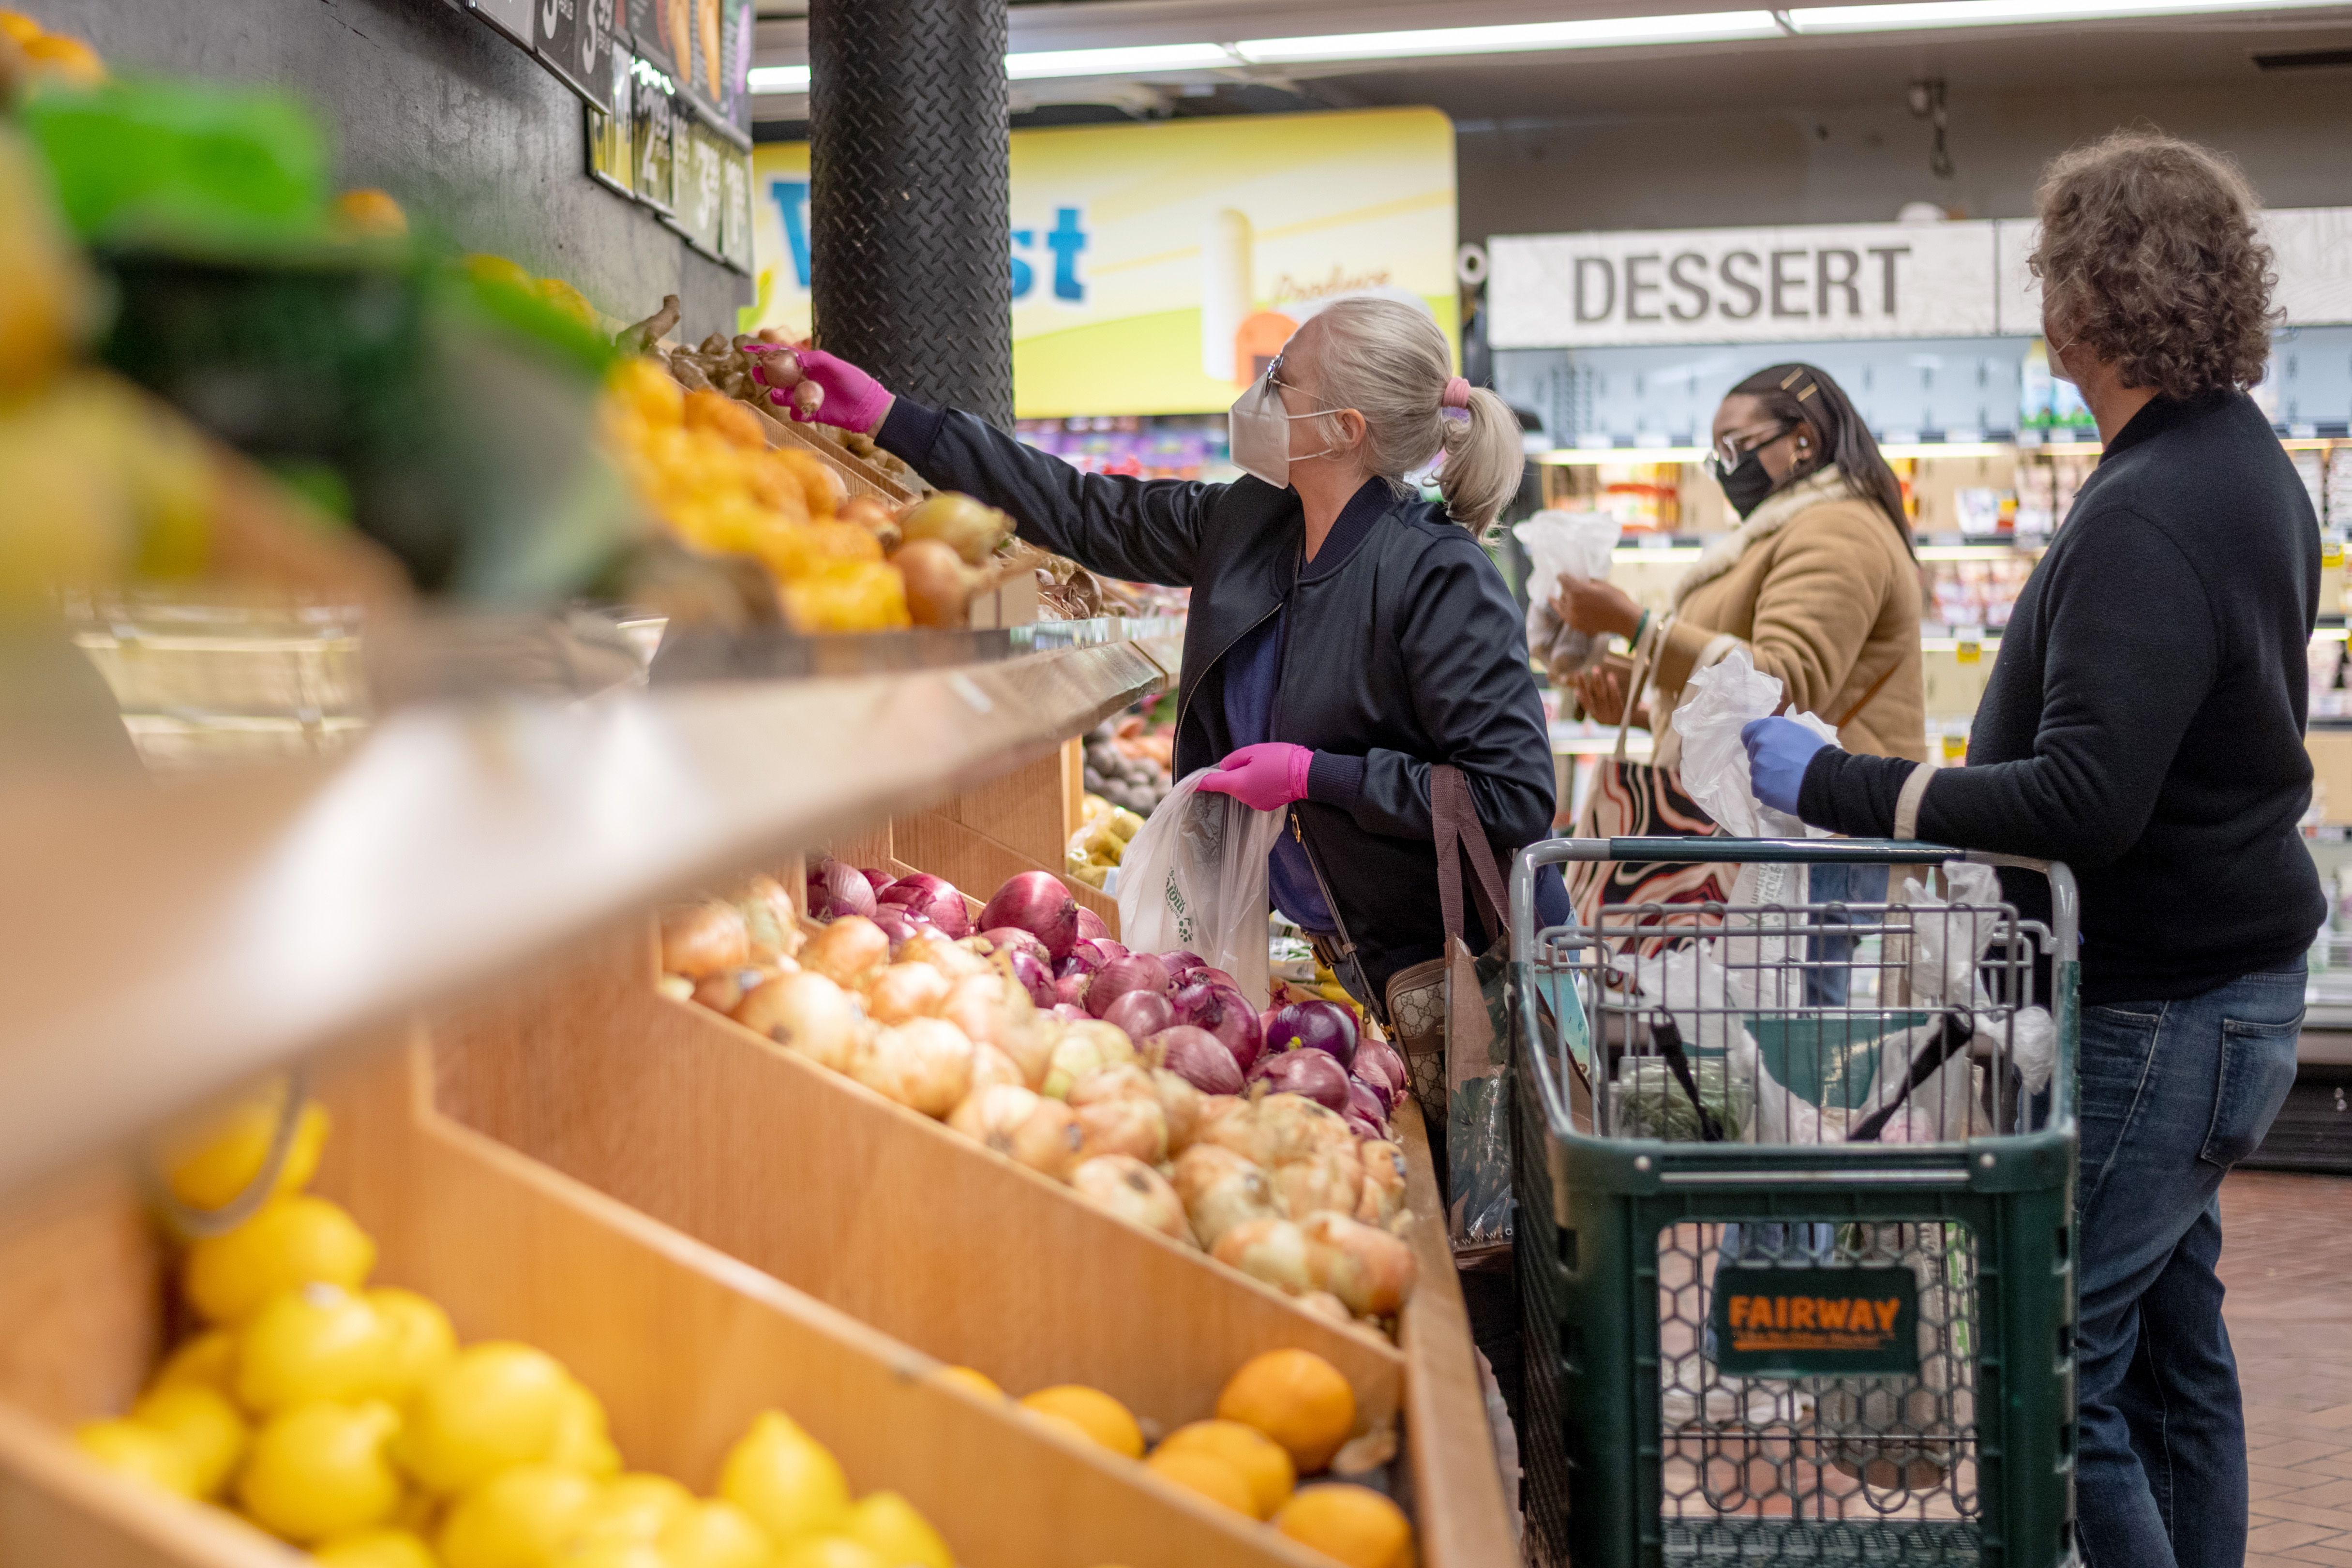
(1455, 816)
(1642, 652)
(1863, 701)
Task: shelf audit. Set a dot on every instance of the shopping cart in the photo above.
(1824, 1345)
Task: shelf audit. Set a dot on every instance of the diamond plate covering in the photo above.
(909, 198)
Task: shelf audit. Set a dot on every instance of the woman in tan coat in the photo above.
(1819, 583)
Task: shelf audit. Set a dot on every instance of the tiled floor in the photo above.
(2286, 1258)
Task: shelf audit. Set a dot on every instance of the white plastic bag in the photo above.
(1945, 949)
(1194, 878)
(1564, 544)
(1720, 699)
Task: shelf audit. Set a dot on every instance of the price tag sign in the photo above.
(575, 39)
(1969, 651)
(512, 18)
(1816, 1323)
(2331, 553)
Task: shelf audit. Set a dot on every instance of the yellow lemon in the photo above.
(714, 1533)
(205, 1425)
(19, 27)
(488, 269)
(830, 1552)
(1354, 1524)
(1197, 1471)
(136, 1449)
(368, 211)
(978, 1382)
(70, 60)
(1297, 1398)
(294, 1241)
(784, 1478)
(321, 1469)
(210, 1166)
(1262, 1461)
(634, 1508)
(580, 1441)
(208, 1360)
(320, 1342)
(891, 1526)
(421, 1341)
(1100, 1416)
(376, 1549)
(520, 1518)
(495, 1405)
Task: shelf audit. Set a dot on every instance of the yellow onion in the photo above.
(1229, 1121)
(1370, 1269)
(903, 991)
(1272, 1251)
(1181, 1102)
(845, 949)
(1382, 1197)
(993, 1113)
(698, 940)
(806, 1014)
(1220, 1190)
(1324, 1304)
(938, 585)
(1134, 1191)
(970, 529)
(1086, 1047)
(1329, 1179)
(986, 1007)
(1118, 1113)
(924, 1064)
(1293, 1127)
(943, 953)
(769, 919)
(992, 1066)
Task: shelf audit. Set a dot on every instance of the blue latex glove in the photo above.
(1778, 749)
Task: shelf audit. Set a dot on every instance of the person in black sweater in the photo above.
(2145, 726)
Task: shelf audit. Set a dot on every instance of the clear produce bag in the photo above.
(1564, 544)
(1195, 878)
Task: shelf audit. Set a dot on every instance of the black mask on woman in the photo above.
(1748, 483)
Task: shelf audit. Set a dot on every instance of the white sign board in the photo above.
(1823, 282)
(1741, 286)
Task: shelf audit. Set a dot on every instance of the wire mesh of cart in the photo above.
(1795, 1183)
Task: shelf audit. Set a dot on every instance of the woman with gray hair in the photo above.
(1345, 635)
(2145, 724)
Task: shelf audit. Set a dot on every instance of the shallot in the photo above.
(1038, 902)
(845, 949)
(1318, 1077)
(1141, 1014)
(1135, 1192)
(1130, 972)
(698, 940)
(924, 1064)
(806, 1014)
(1317, 1026)
(836, 890)
(1198, 1058)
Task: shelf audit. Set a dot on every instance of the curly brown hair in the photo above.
(2149, 256)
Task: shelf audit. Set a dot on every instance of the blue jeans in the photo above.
(2174, 1094)
(1838, 884)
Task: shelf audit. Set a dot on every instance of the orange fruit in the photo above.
(70, 60)
(1297, 1398)
(1098, 1415)
(1263, 1463)
(368, 211)
(1197, 1470)
(1354, 1524)
(980, 1383)
(19, 27)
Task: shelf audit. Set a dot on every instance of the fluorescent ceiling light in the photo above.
(1118, 62)
(1606, 32)
(767, 79)
(1912, 17)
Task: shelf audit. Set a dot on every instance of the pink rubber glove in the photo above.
(852, 400)
(1266, 777)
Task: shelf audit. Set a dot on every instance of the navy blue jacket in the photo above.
(1408, 653)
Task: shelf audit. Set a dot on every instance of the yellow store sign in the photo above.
(1155, 268)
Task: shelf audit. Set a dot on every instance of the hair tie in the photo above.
(1454, 403)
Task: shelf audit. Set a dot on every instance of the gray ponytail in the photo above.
(1390, 362)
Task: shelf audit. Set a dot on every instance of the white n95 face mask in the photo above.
(1258, 426)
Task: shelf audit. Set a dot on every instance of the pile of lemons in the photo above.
(1285, 1414)
(348, 1420)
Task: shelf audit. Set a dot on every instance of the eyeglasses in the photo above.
(1727, 452)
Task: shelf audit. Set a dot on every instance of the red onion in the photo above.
(1013, 939)
(1363, 1126)
(932, 898)
(1200, 1059)
(836, 890)
(1141, 1014)
(876, 878)
(1135, 972)
(898, 925)
(1038, 902)
(1317, 1026)
(1102, 947)
(1316, 1074)
(1030, 970)
(1182, 962)
(1265, 1022)
(1071, 990)
(1224, 1013)
(1210, 972)
(1365, 1101)
(1090, 924)
(1070, 1012)
(1081, 961)
(1378, 1064)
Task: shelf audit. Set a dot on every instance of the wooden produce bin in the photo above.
(683, 1344)
(872, 1207)
(1019, 821)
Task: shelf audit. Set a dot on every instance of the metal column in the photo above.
(908, 199)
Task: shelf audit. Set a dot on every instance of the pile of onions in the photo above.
(836, 890)
(1037, 902)
(931, 898)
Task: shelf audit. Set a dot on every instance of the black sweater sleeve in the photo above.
(1143, 530)
(1465, 651)
(2132, 647)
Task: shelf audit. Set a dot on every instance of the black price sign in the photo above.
(575, 42)
(1816, 1323)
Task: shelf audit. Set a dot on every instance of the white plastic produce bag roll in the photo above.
(1564, 544)
(1194, 878)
